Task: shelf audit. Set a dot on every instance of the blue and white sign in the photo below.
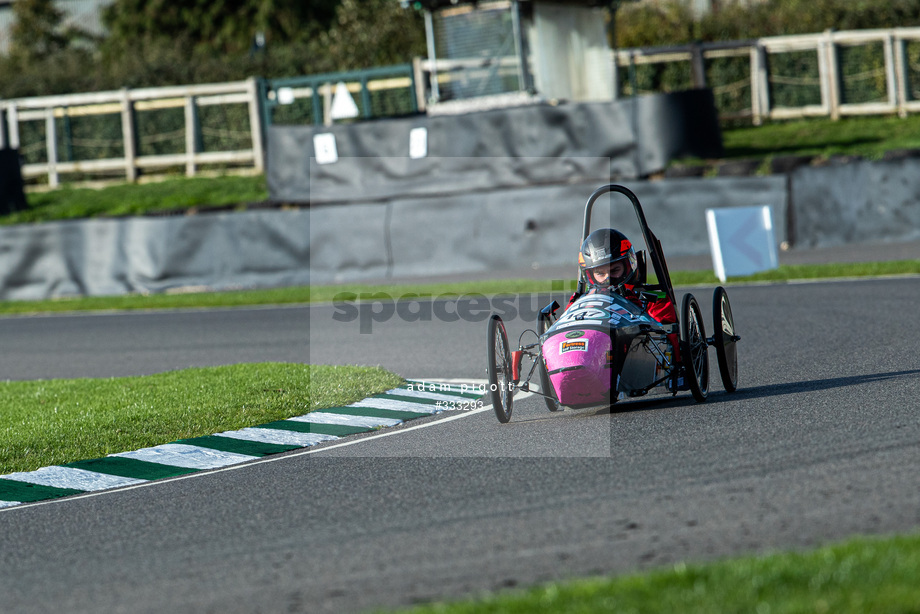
(742, 240)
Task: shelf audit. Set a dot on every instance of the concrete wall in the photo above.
(139, 255)
(859, 202)
(530, 227)
(513, 227)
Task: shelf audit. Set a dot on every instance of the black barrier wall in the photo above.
(12, 196)
(490, 150)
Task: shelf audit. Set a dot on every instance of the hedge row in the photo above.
(671, 22)
(364, 34)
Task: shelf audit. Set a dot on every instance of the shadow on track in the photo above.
(756, 392)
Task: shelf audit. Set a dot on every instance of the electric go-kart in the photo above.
(605, 347)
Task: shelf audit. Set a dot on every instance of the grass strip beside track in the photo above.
(182, 194)
(856, 576)
(321, 294)
(50, 422)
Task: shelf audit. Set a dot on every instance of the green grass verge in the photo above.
(869, 137)
(857, 576)
(48, 422)
(129, 199)
(318, 294)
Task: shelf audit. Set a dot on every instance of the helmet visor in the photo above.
(610, 273)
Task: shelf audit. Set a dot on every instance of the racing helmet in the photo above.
(600, 251)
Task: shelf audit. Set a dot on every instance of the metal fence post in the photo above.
(417, 89)
(633, 81)
(317, 104)
(901, 68)
(191, 142)
(127, 135)
(760, 84)
(697, 66)
(256, 90)
(434, 87)
(891, 79)
(68, 135)
(366, 99)
(12, 118)
(51, 148)
(831, 66)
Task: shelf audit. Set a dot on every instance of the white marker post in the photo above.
(343, 105)
(324, 149)
(285, 95)
(742, 240)
(418, 143)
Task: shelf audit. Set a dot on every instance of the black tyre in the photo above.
(501, 385)
(546, 386)
(725, 339)
(694, 349)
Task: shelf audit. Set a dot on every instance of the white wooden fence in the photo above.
(126, 102)
(826, 46)
(901, 96)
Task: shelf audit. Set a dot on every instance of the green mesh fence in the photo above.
(794, 79)
(299, 112)
(33, 146)
(224, 128)
(81, 137)
(862, 72)
(379, 92)
(392, 102)
(730, 80)
(912, 55)
(658, 77)
(160, 131)
(90, 137)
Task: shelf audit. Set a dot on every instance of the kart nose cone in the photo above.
(578, 362)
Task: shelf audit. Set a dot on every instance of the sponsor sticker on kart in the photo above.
(601, 310)
(579, 345)
(621, 311)
(563, 324)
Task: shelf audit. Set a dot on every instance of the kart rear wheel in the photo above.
(693, 348)
(725, 338)
(501, 385)
(546, 387)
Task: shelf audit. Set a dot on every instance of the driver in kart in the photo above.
(608, 260)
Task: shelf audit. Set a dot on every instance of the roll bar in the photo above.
(651, 241)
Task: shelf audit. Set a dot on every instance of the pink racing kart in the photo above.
(605, 347)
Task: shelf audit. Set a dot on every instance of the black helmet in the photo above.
(606, 247)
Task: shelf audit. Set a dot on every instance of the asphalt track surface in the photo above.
(821, 442)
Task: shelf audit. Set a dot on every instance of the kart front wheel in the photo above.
(501, 385)
(693, 348)
(546, 386)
